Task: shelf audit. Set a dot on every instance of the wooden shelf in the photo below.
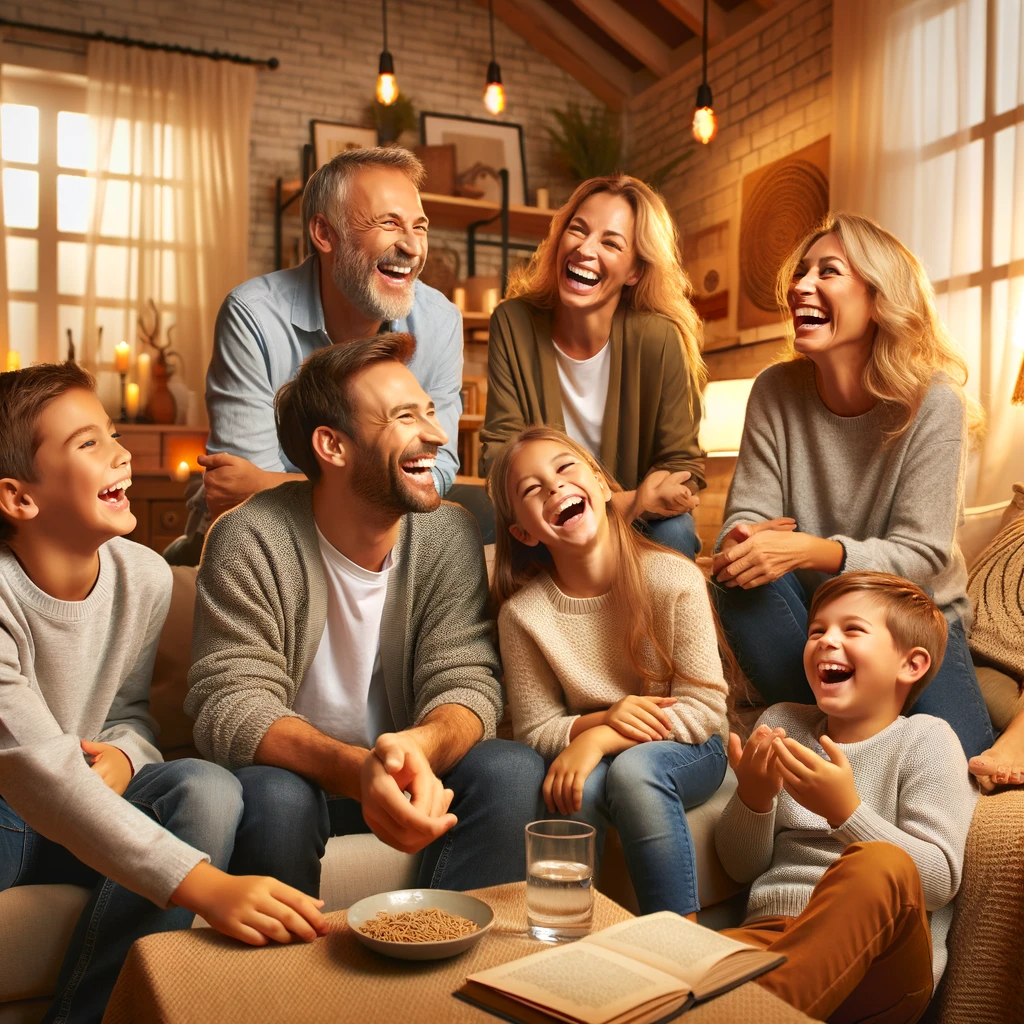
(457, 212)
(474, 321)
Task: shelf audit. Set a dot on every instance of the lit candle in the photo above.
(13, 359)
(122, 355)
(181, 472)
(142, 374)
(131, 400)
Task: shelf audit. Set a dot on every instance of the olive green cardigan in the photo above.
(651, 417)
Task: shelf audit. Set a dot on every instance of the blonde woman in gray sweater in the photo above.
(852, 457)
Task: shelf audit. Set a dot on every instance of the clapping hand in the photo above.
(825, 788)
(757, 773)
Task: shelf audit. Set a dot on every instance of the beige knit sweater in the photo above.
(566, 656)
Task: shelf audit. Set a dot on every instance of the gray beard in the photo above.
(354, 275)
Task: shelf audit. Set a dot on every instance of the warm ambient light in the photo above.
(387, 84)
(122, 356)
(13, 359)
(181, 472)
(131, 400)
(494, 94)
(705, 124)
(725, 406)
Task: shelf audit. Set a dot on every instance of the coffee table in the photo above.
(201, 976)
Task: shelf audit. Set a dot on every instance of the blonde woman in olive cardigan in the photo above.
(598, 338)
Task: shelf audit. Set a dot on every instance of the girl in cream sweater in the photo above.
(611, 661)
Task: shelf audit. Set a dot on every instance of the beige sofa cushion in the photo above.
(36, 922)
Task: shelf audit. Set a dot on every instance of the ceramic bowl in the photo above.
(406, 900)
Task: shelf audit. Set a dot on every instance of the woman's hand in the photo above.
(563, 784)
(641, 718)
(662, 493)
(762, 558)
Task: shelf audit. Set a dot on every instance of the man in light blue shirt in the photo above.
(369, 237)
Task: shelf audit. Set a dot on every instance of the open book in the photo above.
(637, 972)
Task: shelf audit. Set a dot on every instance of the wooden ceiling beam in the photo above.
(691, 14)
(630, 34)
(564, 44)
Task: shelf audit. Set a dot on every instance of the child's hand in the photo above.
(563, 784)
(823, 787)
(110, 763)
(757, 774)
(641, 718)
(250, 907)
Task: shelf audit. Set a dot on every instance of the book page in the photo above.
(669, 943)
(584, 982)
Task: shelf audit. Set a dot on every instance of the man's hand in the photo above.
(824, 787)
(229, 480)
(250, 907)
(665, 494)
(110, 763)
(398, 765)
(563, 784)
(757, 772)
(640, 718)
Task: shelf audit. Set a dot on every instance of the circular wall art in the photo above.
(783, 206)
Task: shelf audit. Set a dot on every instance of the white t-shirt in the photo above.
(584, 395)
(343, 693)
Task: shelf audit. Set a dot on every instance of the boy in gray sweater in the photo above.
(84, 794)
(849, 819)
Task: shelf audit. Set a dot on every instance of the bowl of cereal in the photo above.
(420, 924)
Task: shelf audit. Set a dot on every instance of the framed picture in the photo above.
(494, 144)
(330, 138)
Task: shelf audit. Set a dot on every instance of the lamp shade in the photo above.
(725, 406)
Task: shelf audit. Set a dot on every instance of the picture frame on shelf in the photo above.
(494, 144)
(329, 138)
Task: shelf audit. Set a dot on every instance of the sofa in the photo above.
(36, 922)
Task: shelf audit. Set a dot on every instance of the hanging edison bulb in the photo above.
(705, 123)
(494, 92)
(387, 84)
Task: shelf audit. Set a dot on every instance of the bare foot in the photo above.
(1003, 763)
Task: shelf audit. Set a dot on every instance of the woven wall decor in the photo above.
(781, 203)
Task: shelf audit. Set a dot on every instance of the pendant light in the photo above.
(494, 91)
(705, 124)
(387, 85)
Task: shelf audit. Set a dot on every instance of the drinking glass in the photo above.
(559, 879)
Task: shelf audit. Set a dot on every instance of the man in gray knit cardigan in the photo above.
(343, 656)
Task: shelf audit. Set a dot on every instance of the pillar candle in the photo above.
(543, 199)
(131, 400)
(13, 359)
(122, 355)
(181, 472)
(142, 375)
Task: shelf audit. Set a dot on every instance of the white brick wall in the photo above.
(772, 87)
(328, 51)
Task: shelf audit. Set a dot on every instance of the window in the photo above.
(47, 151)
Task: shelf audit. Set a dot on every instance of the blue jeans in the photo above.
(644, 792)
(676, 532)
(197, 801)
(288, 819)
(767, 630)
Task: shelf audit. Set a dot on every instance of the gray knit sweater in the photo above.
(915, 793)
(74, 670)
(261, 608)
(894, 508)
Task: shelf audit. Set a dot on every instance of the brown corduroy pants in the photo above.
(861, 949)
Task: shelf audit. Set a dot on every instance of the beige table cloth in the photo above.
(200, 976)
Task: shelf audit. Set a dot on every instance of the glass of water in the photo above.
(559, 879)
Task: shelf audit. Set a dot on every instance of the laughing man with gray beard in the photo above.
(368, 235)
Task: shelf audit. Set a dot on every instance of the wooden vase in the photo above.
(161, 407)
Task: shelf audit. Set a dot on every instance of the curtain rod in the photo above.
(102, 37)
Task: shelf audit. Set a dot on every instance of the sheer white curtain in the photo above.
(170, 203)
(928, 100)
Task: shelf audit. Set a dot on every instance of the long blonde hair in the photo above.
(911, 343)
(663, 287)
(515, 563)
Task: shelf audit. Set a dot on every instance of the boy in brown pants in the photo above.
(849, 819)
